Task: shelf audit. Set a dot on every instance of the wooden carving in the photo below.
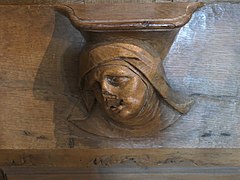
(121, 78)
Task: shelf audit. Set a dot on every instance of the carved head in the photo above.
(119, 90)
(124, 79)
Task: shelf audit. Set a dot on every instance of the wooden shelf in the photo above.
(142, 16)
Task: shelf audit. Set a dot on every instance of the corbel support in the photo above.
(121, 70)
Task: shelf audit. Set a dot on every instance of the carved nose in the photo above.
(104, 87)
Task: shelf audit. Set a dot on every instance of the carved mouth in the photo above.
(115, 105)
(112, 102)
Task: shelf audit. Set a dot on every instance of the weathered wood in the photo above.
(2, 175)
(25, 121)
(95, 158)
(24, 2)
(216, 97)
(118, 1)
(115, 56)
(140, 16)
(121, 163)
(39, 60)
(187, 173)
(38, 68)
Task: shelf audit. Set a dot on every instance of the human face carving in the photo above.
(119, 90)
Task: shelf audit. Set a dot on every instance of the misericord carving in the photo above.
(121, 75)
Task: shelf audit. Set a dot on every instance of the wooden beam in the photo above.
(90, 158)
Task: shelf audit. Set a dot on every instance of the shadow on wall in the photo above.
(57, 76)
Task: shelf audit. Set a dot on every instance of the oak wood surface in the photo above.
(24, 120)
(121, 163)
(17, 2)
(102, 158)
(230, 173)
(129, 16)
(39, 52)
(39, 80)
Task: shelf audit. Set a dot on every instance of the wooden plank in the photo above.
(30, 127)
(124, 173)
(90, 158)
(207, 1)
(121, 1)
(25, 122)
(23, 2)
(2, 175)
(128, 16)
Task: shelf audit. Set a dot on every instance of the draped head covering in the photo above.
(146, 64)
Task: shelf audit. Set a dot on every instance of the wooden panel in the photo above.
(95, 158)
(31, 76)
(2, 175)
(78, 1)
(103, 1)
(39, 69)
(204, 63)
(121, 163)
(39, 1)
(25, 121)
(122, 1)
(211, 73)
(124, 173)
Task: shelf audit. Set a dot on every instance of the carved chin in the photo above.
(121, 111)
(121, 114)
(117, 112)
(115, 109)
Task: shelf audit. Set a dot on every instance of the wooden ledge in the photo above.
(186, 173)
(129, 16)
(95, 158)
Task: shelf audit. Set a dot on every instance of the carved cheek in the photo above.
(129, 92)
(132, 101)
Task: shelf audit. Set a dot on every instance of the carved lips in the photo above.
(112, 103)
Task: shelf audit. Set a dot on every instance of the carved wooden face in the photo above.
(119, 90)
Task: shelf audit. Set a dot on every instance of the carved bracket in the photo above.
(121, 73)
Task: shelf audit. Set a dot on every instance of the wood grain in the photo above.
(24, 2)
(28, 2)
(39, 65)
(24, 120)
(96, 158)
(214, 173)
(129, 16)
(31, 77)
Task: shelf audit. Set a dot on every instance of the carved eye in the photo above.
(117, 81)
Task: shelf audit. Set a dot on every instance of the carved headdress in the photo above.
(141, 40)
(147, 65)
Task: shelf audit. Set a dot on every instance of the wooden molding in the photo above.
(129, 16)
(96, 158)
(123, 173)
